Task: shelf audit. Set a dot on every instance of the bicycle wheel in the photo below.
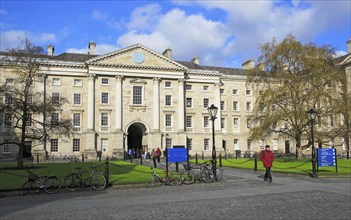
(151, 181)
(72, 182)
(219, 173)
(27, 186)
(174, 180)
(207, 176)
(187, 177)
(52, 185)
(98, 182)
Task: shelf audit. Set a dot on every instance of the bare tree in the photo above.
(25, 109)
(292, 78)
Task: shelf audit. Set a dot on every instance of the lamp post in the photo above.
(212, 110)
(312, 117)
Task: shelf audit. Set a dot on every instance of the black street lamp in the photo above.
(312, 117)
(212, 110)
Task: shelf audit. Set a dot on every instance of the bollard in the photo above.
(196, 158)
(220, 160)
(202, 155)
(177, 167)
(37, 158)
(107, 171)
(255, 162)
(141, 159)
(82, 157)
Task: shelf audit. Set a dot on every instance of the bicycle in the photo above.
(50, 184)
(96, 180)
(155, 179)
(204, 174)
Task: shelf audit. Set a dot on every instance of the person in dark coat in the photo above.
(267, 157)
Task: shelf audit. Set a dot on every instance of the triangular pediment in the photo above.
(136, 56)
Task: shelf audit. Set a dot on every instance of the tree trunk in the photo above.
(20, 155)
(299, 149)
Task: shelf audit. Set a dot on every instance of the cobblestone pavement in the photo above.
(242, 194)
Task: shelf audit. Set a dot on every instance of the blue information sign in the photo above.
(326, 157)
(177, 155)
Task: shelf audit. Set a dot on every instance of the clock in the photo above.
(138, 57)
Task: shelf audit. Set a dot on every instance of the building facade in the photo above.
(136, 98)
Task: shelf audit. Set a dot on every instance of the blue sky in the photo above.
(221, 33)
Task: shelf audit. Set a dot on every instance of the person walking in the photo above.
(267, 157)
(154, 157)
(158, 154)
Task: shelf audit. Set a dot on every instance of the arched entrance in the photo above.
(136, 132)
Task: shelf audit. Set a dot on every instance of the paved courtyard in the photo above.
(242, 194)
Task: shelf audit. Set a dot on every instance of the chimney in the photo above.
(349, 46)
(92, 46)
(196, 60)
(168, 53)
(51, 49)
(249, 64)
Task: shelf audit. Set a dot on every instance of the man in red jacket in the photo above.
(267, 157)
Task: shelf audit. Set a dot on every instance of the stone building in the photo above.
(137, 98)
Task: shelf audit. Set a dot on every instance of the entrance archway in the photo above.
(136, 132)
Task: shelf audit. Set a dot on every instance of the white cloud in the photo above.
(100, 49)
(12, 39)
(145, 17)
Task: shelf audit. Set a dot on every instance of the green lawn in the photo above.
(123, 172)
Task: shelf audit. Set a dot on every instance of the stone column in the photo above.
(181, 105)
(119, 104)
(217, 103)
(91, 98)
(156, 104)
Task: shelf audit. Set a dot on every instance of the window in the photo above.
(221, 91)
(206, 121)
(7, 146)
(188, 87)
(56, 81)
(275, 144)
(55, 98)
(236, 122)
(77, 99)
(168, 84)
(206, 101)
(235, 92)
(168, 142)
(168, 100)
(222, 123)
(206, 88)
(104, 81)
(189, 143)
(248, 106)
(222, 105)
(248, 92)
(77, 82)
(104, 144)
(249, 144)
(168, 120)
(76, 145)
(330, 121)
(137, 95)
(104, 98)
(189, 121)
(55, 118)
(10, 81)
(236, 144)
(189, 102)
(54, 145)
(206, 144)
(273, 107)
(28, 119)
(8, 119)
(76, 119)
(30, 99)
(104, 119)
(235, 106)
(248, 123)
(8, 98)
